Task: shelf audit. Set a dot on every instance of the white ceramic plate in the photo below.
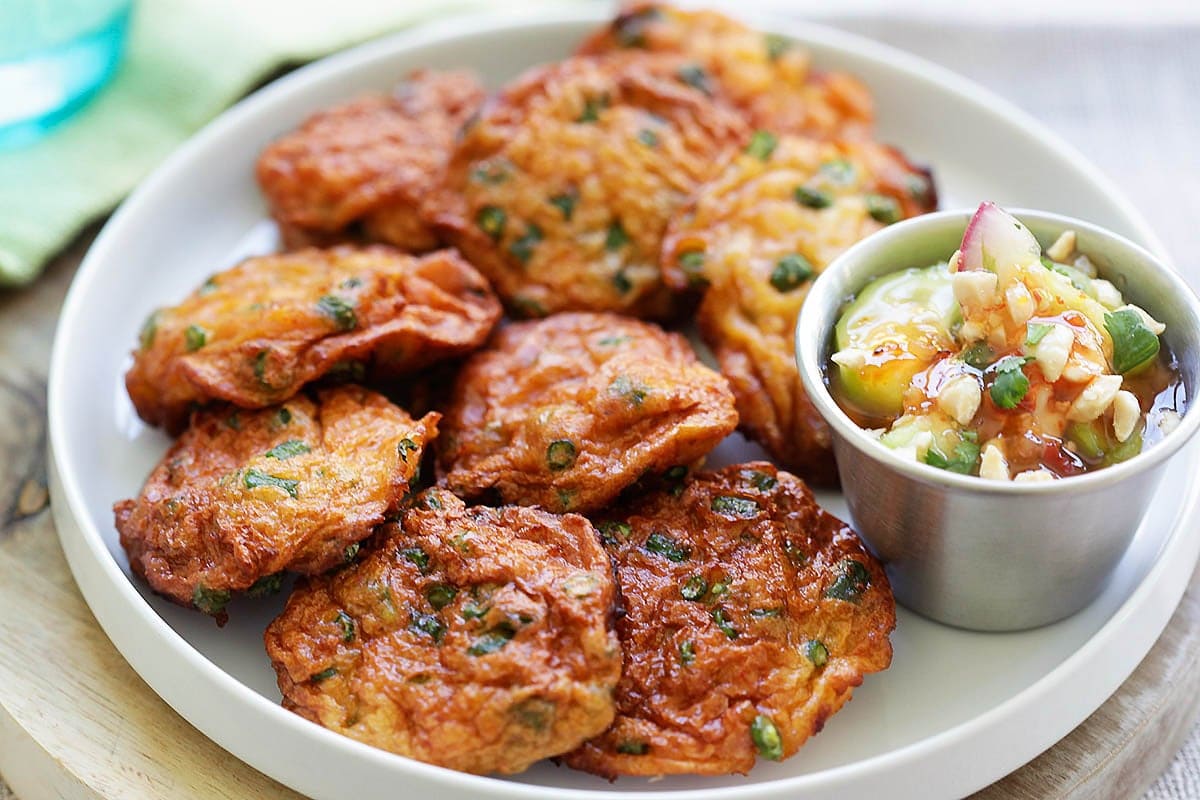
(956, 711)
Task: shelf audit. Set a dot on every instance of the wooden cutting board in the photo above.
(77, 723)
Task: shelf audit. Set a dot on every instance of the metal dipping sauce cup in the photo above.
(984, 554)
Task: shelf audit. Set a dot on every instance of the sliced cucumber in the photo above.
(903, 320)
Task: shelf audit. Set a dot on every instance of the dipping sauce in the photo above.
(1004, 362)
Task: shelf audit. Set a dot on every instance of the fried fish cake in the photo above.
(255, 334)
(568, 411)
(750, 616)
(359, 170)
(562, 189)
(477, 638)
(769, 78)
(755, 236)
(244, 495)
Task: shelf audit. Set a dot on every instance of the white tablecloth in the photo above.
(1123, 87)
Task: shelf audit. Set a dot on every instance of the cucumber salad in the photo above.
(1005, 362)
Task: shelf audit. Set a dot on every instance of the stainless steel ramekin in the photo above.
(983, 554)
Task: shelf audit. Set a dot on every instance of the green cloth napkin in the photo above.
(186, 60)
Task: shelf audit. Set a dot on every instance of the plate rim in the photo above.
(90, 560)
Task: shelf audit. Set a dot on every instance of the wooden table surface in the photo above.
(77, 723)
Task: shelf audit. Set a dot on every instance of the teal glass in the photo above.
(54, 56)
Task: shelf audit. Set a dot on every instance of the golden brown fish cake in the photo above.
(244, 495)
(478, 638)
(768, 77)
(755, 236)
(358, 171)
(255, 334)
(750, 616)
(562, 189)
(568, 411)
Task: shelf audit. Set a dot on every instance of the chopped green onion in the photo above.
(630, 27)
(766, 738)
(323, 675)
(493, 640)
(351, 552)
(560, 455)
(687, 653)
(692, 262)
(622, 282)
(491, 220)
(565, 203)
(852, 580)
(149, 329)
(766, 613)
(648, 137)
(347, 371)
(839, 171)
(346, 623)
(211, 601)
(883, 208)
(341, 312)
(194, 338)
(440, 595)
(592, 107)
(791, 272)
(490, 173)
(288, 449)
(919, 187)
(776, 45)
(566, 497)
(622, 386)
(418, 557)
(266, 586)
(812, 198)
(611, 530)
(616, 238)
(761, 481)
(1134, 344)
(528, 307)
(723, 623)
(816, 652)
(694, 588)
(404, 447)
(535, 712)
(429, 625)
(632, 747)
(795, 553)
(255, 479)
(473, 610)
(694, 76)
(522, 248)
(663, 545)
(762, 145)
(387, 606)
(734, 506)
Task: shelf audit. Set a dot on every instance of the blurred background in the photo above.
(85, 113)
